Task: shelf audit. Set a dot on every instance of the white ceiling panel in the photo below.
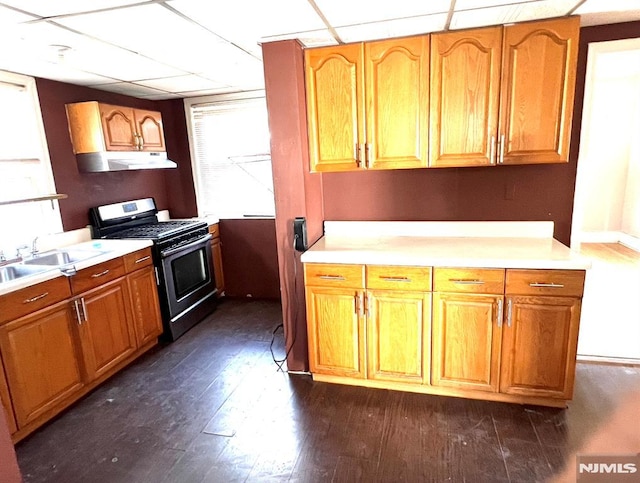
(49, 8)
(181, 83)
(341, 13)
(503, 14)
(247, 74)
(313, 38)
(131, 89)
(11, 17)
(472, 4)
(595, 6)
(244, 22)
(207, 92)
(589, 19)
(393, 28)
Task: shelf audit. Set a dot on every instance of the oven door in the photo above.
(187, 272)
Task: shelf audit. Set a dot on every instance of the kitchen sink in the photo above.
(58, 258)
(13, 272)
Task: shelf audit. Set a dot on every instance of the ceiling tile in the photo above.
(393, 28)
(511, 13)
(48, 8)
(129, 89)
(312, 38)
(155, 32)
(342, 13)
(181, 83)
(11, 17)
(247, 74)
(594, 6)
(208, 92)
(233, 23)
(471, 4)
(589, 19)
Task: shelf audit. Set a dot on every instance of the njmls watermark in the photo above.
(623, 468)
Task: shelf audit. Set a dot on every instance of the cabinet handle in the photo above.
(546, 285)
(501, 149)
(466, 282)
(492, 150)
(331, 277)
(140, 260)
(362, 307)
(78, 316)
(356, 154)
(356, 300)
(500, 313)
(509, 310)
(96, 275)
(368, 308)
(367, 155)
(396, 279)
(37, 297)
(84, 310)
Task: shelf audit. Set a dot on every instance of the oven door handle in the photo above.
(171, 251)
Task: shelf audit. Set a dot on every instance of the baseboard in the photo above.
(608, 360)
(629, 241)
(625, 239)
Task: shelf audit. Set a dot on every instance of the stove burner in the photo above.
(157, 230)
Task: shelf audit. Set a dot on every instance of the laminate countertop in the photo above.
(524, 245)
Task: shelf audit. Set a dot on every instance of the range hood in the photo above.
(122, 161)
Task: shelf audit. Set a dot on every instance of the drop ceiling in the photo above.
(163, 49)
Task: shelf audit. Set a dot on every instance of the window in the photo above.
(231, 157)
(25, 169)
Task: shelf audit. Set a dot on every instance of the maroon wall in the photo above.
(297, 192)
(249, 258)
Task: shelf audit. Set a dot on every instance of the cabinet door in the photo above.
(5, 401)
(119, 128)
(398, 341)
(41, 361)
(539, 345)
(465, 85)
(466, 341)
(216, 250)
(145, 305)
(149, 128)
(538, 80)
(335, 106)
(335, 322)
(397, 103)
(106, 336)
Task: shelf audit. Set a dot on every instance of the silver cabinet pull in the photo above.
(368, 308)
(37, 297)
(546, 285)
(140, 260)
(101, 274)
(84, 310)
(361, 302)
(466, 282)
(78, 316)
(331, 277)
(356, 154)
(356, 303)
(501, 149)
(367, 155)
(396, 279)
(492, 150)
(500, 313)
(509, 311)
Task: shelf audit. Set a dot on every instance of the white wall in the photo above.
(607, 201)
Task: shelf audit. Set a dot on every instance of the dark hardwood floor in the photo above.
(212, 407)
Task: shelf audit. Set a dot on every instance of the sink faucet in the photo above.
(18, 254)
(34, 247)
(3, 258)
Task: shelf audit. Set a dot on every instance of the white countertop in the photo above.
(111, 249)
(534, 249)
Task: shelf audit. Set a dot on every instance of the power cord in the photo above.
(294, 301)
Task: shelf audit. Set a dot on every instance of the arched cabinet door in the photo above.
(335, 107)
(537, 93)
(119, 128)
(397, 103)
(150, 132)
(465, 93)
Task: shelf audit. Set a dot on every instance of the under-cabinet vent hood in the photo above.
(123, 161)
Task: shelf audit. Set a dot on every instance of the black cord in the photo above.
(280, 362)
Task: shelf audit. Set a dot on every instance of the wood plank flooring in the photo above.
(212, 407)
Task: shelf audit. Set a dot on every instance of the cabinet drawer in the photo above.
(137, 260)
(29, 299)
(97, 275)
(214, 230)
(399, 278)
(334, 275)
(545, 282)
(469, 280)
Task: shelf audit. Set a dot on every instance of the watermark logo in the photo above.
(623, 468)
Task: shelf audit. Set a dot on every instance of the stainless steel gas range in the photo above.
(181, 255)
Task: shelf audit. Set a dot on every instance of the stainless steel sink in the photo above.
(13, 272)
(58, 258)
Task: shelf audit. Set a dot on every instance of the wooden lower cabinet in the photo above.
(106, 336)
(145, 306)
(41, 360)
(398, 333)
(336, 331)
(539, 346)
(466, 341)
(5, 401)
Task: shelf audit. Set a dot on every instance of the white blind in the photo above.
(25, 169)
(232, 164)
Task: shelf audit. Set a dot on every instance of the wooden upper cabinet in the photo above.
(397, 100)
(119, 128)
(335, 106)
(538, 80)
(150, 131)
(465, 90)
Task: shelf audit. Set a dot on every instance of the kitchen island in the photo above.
(485, 310)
